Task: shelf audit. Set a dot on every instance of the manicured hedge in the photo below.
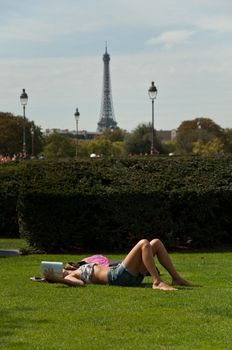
(101, 204)
(9, 180)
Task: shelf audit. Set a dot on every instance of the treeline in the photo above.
(101, 204)
(200, 136)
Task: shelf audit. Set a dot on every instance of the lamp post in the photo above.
(32, 142)
(76, 115)
(199, 136)
(23, 100)
(152, 92)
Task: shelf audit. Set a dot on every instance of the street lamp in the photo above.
(32, 142)
(76, 115)
(23, 100)
(152, 92)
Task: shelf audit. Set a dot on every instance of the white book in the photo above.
(54, 266)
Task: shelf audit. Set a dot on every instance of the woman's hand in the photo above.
(49, 274)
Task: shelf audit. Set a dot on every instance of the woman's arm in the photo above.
(72, 281)
(69, 279)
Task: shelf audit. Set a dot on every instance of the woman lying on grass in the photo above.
(130, 272)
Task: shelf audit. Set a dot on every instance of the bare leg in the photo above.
(140, 259)
(159, 249)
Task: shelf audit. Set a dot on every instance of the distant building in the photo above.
(166, 135)
(82, 134)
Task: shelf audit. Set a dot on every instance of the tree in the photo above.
(169, 147)
(102, 146)
(115, 134)
(211, 148)
(83, 148)
(117, 148)
(199, 129)
(11, 135)
(58, 146)
(228, 140)
(139, 141)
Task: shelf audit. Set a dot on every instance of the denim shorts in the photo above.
(120, 276)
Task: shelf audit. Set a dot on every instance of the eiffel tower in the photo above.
(107, 119)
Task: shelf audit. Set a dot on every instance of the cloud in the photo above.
(44, 30)
(221, 24)
(171, 38)
(188, 85)
(67, 25)
(60, 45)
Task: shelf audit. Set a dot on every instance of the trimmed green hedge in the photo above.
(9, 181)
(103, 204)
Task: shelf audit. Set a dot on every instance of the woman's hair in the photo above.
(74, 265)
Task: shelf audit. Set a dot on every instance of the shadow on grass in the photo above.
(217, 248)
(149, 285)
(12, 327)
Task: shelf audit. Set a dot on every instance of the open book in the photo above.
(55, 266)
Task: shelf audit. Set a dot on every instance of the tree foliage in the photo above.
(11, 135)
(211, 148)
(139, 141)
(115, 134)
(169, 147)
(59, 146)
(228, 140)
(101, 146)
(199, 129)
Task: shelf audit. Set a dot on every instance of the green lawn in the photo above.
(42, 316)
(13, 243)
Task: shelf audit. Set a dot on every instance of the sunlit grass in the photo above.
(12, 243)
(52, 316)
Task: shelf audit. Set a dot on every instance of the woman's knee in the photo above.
(156, 242)
(143, 242)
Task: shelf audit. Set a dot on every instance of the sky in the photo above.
(54, 50)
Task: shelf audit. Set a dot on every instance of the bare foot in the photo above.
(162, 286)
(181, 282)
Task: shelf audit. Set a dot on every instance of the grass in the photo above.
(42, 316)
(13, 243)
